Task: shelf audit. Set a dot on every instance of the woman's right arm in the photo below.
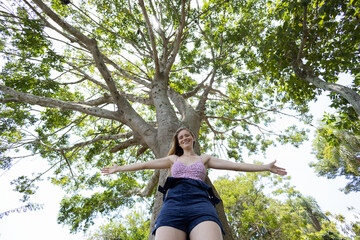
(161, 163)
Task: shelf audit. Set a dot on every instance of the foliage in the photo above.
(306, 49)
(337, 148)
(87, 83)
(132, 227)
(312, 39)
(261, 206)
(350, 227)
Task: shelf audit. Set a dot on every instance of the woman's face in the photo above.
(185, 139)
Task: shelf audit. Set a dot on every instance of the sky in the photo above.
(42, 224)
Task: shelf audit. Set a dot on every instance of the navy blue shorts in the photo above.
(187, 203)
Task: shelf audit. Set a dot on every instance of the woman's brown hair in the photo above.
(175, 146)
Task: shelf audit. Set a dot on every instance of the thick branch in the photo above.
(54, 103)
(73, 31)
(178, 39)
(122, 104)
(306, 73)
(9, 100)
(124, 145)
(201, 105)
(142, 100)
(197, 89)
(151, 36)
(99, 101)
(147, 191)
(179, 101)
(141, 150)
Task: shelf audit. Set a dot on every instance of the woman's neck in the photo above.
(189, 153)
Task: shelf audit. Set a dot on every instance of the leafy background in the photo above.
(325, 191)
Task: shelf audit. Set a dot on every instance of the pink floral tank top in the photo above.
(195, 171)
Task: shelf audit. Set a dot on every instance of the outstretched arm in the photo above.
(161, 163)
(217, 163)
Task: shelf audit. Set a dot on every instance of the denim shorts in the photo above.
(187, 203)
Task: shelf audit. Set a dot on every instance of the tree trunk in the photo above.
(157, 203)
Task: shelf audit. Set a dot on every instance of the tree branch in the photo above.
(124, 145)
(102, 85)
(305, 34)
(67, 162)
(178, 38)
(305, 72)
(151, 36)
(201, 105)
(54, 103)
(125, 73)
(147, 191)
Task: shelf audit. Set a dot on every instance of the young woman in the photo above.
(189, 203)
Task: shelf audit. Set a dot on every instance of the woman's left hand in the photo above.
(275, 169)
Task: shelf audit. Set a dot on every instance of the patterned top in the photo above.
(195, 171)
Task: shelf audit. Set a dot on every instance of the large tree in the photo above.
(86, 83)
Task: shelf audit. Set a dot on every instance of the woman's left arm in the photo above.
(218, 163)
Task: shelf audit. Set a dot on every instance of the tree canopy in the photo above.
(260, 206)
(87, 83)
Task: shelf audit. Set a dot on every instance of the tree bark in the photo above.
(306, 73)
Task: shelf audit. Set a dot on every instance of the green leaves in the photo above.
(228, 72)
(294, 136)
(263, 205)
(79, 211)
(318, 34)
(133, 226)
(337, 150)
(25, 186)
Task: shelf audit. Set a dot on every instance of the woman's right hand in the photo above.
(110, 170)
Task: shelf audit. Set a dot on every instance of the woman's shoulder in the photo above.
(173, 158)
(205, 158)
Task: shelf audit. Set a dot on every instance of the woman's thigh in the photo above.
(166, 233)
(208, 230)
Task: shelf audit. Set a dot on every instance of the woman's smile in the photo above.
(185, 138)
